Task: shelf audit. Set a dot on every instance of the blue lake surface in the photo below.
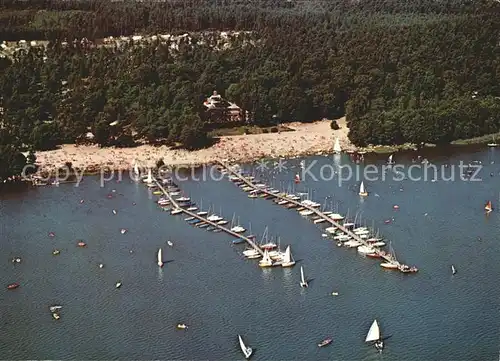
(207, 284)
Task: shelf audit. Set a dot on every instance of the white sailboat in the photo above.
(266, 261)
(362, 190)
(149, 178)
(160, 258)
(336, 147)
(288, 260)
(390, 160)
(247, 351)
(136, 169)
(374, 336)
(453, 270)
(303, 282)
(493, 144)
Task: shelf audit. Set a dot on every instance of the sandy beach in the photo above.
(305, 139)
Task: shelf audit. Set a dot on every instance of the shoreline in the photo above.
(304, 139)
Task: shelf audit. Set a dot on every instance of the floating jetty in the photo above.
(252, 186)
(194, 215)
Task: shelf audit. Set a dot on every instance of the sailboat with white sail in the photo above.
(247, 351)
(149, 178)
(453, 269)
(362, 190)
(494, 143)
(136, 171)
(288, 260)
(374, 336)
(160, 258)
(303, 282)
(336, 147)
(390, 159)
(266, 261)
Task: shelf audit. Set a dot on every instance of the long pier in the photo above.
(383, 255)
(205, 220)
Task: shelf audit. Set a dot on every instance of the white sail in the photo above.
(149, 179)
(390, 159)
(453, 270)
(362, 188)
(288, 256)
(373, 332)
(266, 258)
(160, 258)
(136, 169)
(247, 351)
(302, 279)
(336, 147)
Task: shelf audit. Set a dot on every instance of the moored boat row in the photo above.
(344, 232)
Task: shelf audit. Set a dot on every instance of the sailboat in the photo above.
(362, 190)
(336, 147)
(136, 169)
(390, 160)
(288, 260)
(488, 207)
(303, 282)
(247, 351)
(494, 144)
(374, 336)
(149, 178)
(453, 270)
(266, 261)
(160, 259)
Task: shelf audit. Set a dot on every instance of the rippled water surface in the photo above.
(208, 285)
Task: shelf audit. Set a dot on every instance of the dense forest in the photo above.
(401, 71)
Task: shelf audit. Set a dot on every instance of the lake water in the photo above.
(207, 284)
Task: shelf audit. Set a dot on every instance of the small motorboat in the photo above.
(114, 211)
(181, 326)
(325, 342)
(123, 231)
(54, 308)
(335, 293)
(13, 286)
(101, 265)
(118, 284)
(82, 244)
(56, 252)
(170, 243)
(56, 315)
(52, 234)
(16, 260)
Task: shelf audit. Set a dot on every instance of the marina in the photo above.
(309, 208)
(213, 223)
(154, 300)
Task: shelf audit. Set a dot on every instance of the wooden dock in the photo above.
(383, 255)
(214, 224)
